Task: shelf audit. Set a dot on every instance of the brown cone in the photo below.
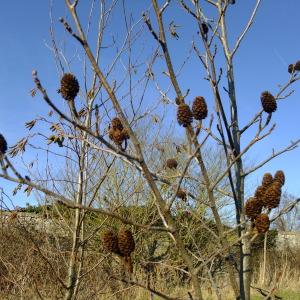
(297, 66)
(260, 194)
(199, 108)
(116, 124)
(184, 115)
(291, 68)
(110, 242)
(272, 195)
(126, 242)
(181, 194)
(125, 134)
(280, 177)
(262, 223)
(3, 144)
(171, 163)
(111, 133)
(253, 208)
(69, 86)
(267, 180)
(268, 102)
(204, 28)
(117, 137)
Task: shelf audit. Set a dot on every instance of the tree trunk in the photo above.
(72, 271)
(247, 267)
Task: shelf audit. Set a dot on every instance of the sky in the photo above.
(261, 64)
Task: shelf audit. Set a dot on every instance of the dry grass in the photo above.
(31, 265)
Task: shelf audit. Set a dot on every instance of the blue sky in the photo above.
(261, 64)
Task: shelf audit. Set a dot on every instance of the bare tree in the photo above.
(106, 130)
(289, 221)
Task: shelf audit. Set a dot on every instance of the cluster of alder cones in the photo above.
(267, 196)
(268, 101)
(117, 133)
(121, 244)
(69, 88)
(292, 68)
(185, 115)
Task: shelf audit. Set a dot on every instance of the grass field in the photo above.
(284, 294)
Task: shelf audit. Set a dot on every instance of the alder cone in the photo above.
(262, 223)
(125, 134)
(110, 242)
(272, 195)
(126, 242)
(204, 28)
(260, 194)
(3, 144)
(184, 115)
(291, 68)
(69, 87)
(181, 194)
(118, 137)
(280, 177)
(116, 124)
(267, 180)
(297, 66)
(253, 208)
(111, 133)
(199, 108)
(171, 163)
(268, 102)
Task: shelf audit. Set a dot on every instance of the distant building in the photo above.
(288, 239)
